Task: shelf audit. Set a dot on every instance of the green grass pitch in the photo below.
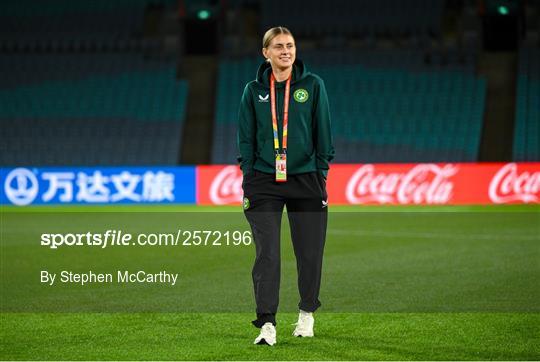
(399, 283)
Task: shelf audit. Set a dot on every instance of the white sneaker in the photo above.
(304, 326)
(267, 335)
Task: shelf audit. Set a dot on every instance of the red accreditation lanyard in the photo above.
(281, 157)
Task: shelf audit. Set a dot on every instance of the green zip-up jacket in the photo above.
(309, 145)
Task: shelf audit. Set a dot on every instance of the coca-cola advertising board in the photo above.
(398, 184)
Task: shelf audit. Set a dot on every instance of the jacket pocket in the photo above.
(300, 152)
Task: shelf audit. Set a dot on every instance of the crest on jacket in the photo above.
(301, 95)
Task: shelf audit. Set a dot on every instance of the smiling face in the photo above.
(281, 51)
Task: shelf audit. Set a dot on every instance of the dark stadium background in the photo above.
(158, 82)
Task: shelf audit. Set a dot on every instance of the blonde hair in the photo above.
(272, 33)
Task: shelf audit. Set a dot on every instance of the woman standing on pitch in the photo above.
(285, 145)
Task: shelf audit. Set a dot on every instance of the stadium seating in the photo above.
(76, 88)
(387, 106)
(354, 18)
(527, 125)
(65, 17)
(84, 109)
(60, 25)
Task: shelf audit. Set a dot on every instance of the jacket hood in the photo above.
(299, 72)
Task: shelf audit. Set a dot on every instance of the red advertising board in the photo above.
(398, 184)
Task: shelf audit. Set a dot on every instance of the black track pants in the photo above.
(305, 197)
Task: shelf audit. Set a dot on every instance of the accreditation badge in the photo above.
(281, 167)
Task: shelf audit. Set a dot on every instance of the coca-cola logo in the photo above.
(226, 188)
(508, 185)
(422, 184)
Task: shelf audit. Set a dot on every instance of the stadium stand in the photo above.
(90, 70)
(63, 25)
(99, 107)
(81, 86)
(65, 18)
(387, 105)
(354, 18)
(527, 125)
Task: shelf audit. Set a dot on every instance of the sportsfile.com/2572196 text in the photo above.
(120, 238)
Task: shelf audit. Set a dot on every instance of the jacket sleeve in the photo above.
(323, 133)
(246, 132)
